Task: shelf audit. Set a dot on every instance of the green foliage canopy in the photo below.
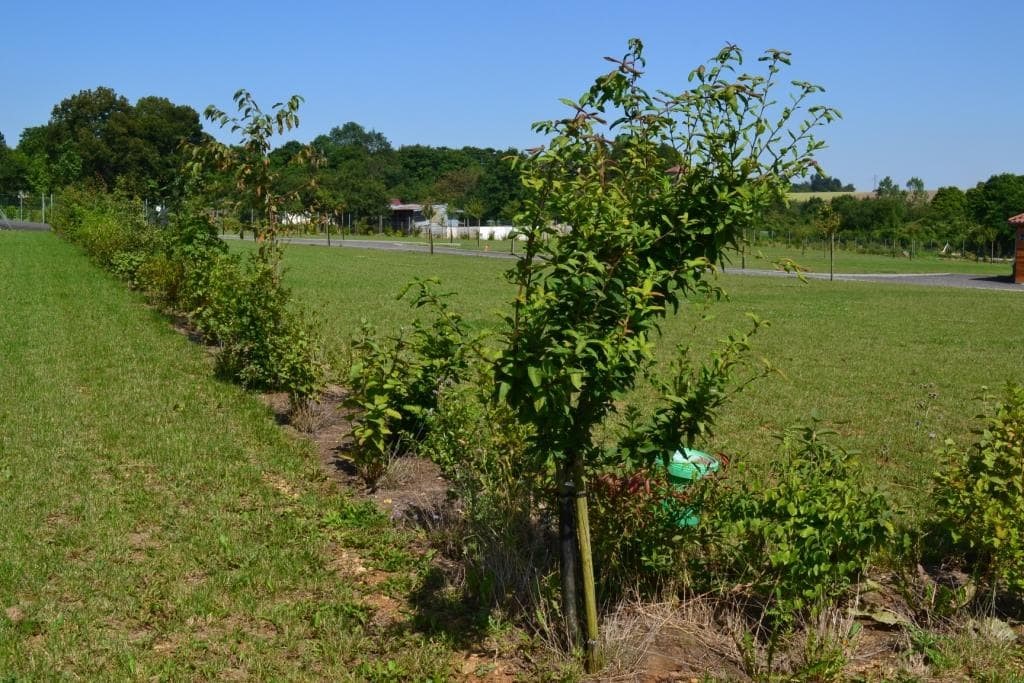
(644, 232)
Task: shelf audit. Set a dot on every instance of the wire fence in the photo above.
(27, 207)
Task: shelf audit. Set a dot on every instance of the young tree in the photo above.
(644, 235)
(828, 222)
(248, 163)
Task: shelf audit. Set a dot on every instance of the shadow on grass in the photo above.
(440, 610)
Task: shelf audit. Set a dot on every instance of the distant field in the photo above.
(759, 256)
(826, 196)
(462, 244)
(157, 524)
(815, 259)
(894, 369)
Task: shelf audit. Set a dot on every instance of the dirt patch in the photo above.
(142, 540)
(412, 490)
(705, 637)
(280, 485)
(387, 611)
(350, 564)
(479, 667)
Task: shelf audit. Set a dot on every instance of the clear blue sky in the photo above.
(932, 89)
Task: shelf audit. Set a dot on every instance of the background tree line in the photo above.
(98, 137)
(903, 220)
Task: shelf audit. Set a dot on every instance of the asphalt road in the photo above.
(22, 225)
(440, 246)
(960, 280)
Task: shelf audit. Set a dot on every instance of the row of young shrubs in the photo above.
(236, 302)
(789, 541)
(793, 539)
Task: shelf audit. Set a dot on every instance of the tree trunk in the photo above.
(568, 554)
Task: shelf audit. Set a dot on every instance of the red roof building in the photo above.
(1017, 223)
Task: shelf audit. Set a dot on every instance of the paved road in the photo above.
(22, 225)
(924, 279)
(440, 247)
(960, 280)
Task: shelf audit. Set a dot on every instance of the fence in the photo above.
(27, 207)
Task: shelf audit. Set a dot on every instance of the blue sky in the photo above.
(932, 89)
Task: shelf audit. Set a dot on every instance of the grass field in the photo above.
(815, 259)
(157, 524)
(895, 369)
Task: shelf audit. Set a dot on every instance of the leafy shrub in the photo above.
(797, 539)
(980, 495)
(159, 277)
(501, 540)
(395, 381)
(127, 264)
(638, 542)
(109, 227)
(264, 344)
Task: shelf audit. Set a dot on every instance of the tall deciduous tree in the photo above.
(990, 204)
(146, 141)
(82, 120)
(947, 215)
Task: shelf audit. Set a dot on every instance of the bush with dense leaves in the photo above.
(980, 495)
(395, 381)
(798, 537)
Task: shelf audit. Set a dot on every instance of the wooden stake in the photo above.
(587, 565)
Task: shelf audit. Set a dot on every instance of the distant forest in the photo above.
(97, 137)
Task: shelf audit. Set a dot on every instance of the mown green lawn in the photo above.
(157, 524)
(815, 258)
(894, 369)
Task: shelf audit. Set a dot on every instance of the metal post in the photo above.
(831, 256)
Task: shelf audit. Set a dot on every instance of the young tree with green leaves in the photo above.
(248, 163)
(655, 186)
(264, 341)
